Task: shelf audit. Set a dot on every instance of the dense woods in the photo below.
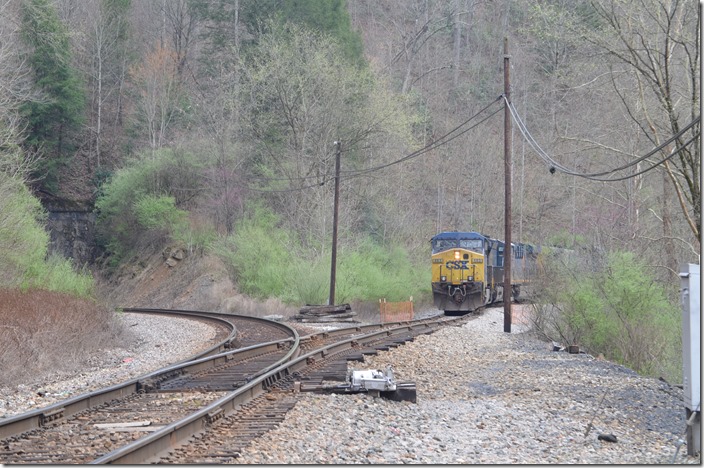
(212, 123)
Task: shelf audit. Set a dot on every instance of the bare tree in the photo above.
(107, 51)
(158, 87)
(15, 88)
(183, 24)
(657, 43)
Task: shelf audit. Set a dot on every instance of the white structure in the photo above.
(691, 353)
(373, 380)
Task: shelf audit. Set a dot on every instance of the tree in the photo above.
(658, 44)
(183, 21)
(239, 23)
(15, 88)
(158, 86)
(218, 110)
(52, 118)
(108, 53)
(298, 99)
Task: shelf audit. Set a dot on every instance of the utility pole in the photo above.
(507, 193)
(333, 266)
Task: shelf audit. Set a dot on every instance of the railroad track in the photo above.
(86, 427)
(194, 403)
(260, 406)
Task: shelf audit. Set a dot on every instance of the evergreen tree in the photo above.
(239, 22)
(51, 119)
(326, 16)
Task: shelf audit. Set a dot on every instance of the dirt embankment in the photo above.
(178, 279)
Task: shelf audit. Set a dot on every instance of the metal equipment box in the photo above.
(691, 358)
(691, 337)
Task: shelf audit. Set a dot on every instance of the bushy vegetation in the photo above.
(24, 243)
(612, 307)
(158, 212)
(260, 255)
(372, 271)
(268, 261)
(143, 200)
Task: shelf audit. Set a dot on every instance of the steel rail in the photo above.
(149, 448)
(370, 327)
(41, 417)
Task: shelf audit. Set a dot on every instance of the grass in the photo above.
(42, 331)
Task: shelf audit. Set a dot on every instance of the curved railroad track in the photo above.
(85, 427)
(193, 404)
(224, 441)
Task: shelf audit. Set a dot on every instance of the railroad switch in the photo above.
(372, 381)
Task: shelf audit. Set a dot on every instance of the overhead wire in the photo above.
(430, 146)
(292, 189)
(597, 176)
(667, 158)
(348, 174)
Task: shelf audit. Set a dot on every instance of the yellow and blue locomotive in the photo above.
(468, 270)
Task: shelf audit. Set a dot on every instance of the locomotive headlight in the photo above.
(457, 254)
(443, 278)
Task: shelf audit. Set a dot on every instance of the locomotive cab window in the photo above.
(472, 244)
(462, 241)
(441, 245)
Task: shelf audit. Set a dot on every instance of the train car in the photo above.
(468, 270)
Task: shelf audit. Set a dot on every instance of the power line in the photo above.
(597, 174)
(348, 174)
(294, 189)
(554, 165)
(667, 158)
(432, 145)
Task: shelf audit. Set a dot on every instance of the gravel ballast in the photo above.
(156, 342)
(483, 396)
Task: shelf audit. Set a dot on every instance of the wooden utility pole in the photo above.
(507, 193)
(333, 266)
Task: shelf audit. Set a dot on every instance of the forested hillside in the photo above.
(211, 124)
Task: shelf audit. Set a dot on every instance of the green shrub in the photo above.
(116, 223)
(566, 240)
(616, 309)
(60, 276)
(200, 237)
(159, 213)
(267, 261)
(372, 272)
(147, 195)
(309, 282)
(24, 244)
(259, 254)
(645, 329)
